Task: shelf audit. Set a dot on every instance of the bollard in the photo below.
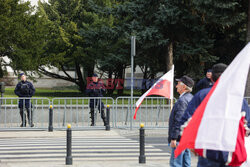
(108, 118)
(142, 158)
(69, 137)
(50, 119)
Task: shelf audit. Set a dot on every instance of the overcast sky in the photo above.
(34, 2)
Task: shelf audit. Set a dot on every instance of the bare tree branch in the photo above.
(63, 69)
(53, 75)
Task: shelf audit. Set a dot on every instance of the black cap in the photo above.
(209, 70)
(94, 75)
(219, 68)
(186, 80)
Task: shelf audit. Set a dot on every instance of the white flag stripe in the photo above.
(219, 126)
(247, 145)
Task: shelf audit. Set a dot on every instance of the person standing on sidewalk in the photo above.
(25, 89)
(96, 89)
(184, 87)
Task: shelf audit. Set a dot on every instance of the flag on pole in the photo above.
(216, 123)
(163, 87)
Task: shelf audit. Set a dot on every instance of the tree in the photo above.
(171, 30)
(21, 35)
(72, 38)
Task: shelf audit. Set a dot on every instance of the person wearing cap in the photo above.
(25, 90)
(96, 89)
(214, 158)
(205, 82)
(184, 87)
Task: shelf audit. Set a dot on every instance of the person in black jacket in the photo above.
(96, 89)
(184, 87)
(205, 82)
(25, 90)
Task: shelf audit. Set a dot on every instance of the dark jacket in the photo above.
(176, 115)
(24, 89)
(95, 89)
(203, 83)
(219, 156)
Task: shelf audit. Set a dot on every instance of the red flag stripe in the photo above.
(162, 88)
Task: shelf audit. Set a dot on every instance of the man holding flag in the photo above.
(184, 87)
(194, 121)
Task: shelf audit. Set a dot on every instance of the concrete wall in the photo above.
(43, 82)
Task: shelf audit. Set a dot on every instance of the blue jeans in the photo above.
(183, 160)
(204, 162)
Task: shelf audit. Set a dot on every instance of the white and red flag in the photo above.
(247, 145)
(217, 122)
(163, 87)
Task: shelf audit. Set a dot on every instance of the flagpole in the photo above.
(172, 90)
(171, 104)
(132, 78)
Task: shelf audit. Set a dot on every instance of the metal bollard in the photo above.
(50, 119)
(142, 158)
(108, 118)
(69, 159)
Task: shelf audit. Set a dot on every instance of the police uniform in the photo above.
(96, 89)
(25, 89)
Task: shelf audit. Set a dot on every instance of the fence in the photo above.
(10, 116)
(248, 100)
(76, 111)
(154, 112)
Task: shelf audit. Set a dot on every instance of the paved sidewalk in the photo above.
(93, 148)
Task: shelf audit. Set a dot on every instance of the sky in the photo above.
(34, 2)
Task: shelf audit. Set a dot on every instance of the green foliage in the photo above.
(156, 24)
(21, 34)
(83, 34)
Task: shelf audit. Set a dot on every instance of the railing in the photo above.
(154, 112)
(76, 111)
(34, 110)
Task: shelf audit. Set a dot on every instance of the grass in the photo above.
(48, 93)
(64, 92)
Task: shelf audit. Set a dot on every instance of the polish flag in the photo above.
(247, 145)
(163, 87)
(217, 122)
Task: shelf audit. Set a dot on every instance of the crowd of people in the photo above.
(183, 111)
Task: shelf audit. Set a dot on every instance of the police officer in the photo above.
(96, 89)
(205, 82)
(25, 89)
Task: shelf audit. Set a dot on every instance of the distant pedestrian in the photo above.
(25, 89)
(184, 87)
(96, 89)
(205, 82)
